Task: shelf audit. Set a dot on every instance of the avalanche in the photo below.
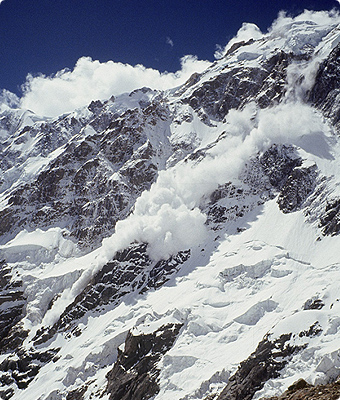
(157, 244)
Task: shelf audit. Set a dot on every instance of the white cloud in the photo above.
(284, 23)
(169, 41)
(91, 80)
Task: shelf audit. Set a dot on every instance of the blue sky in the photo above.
(45, 36)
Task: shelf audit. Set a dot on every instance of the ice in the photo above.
(38, 246)
(256, 312)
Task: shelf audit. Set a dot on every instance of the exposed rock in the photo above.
(230, 202)
(236, 87)
(265, 363)
(314, 304)
(134, 375)
(95, 106)
(269, 358)
(299, 185)
(77, 394)
(21, 368)
(301, 390)
(12, 302)
(314, 330)
(237, 45)
(278, 162)
(6, 394)
(325, 93)
(95, 179)
(278, 168)
(330, 220)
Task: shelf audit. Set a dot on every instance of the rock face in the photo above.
(235, 88)
(77, 189)
(20, 370)
(277, 170)
(299, 185)
(278, 162)
(134, 375)
(12, 303)
(265, 363)
(330, 221)
(302, 390)
(325, 93)
(269, 358)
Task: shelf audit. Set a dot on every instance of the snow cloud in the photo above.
(92, 80)
(284, 28)
(168, 215)
(245, 33)
(8, 100)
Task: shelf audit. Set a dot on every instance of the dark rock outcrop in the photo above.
(325, 93)
(134, 375)
(299, 185)
(21, 368)
(264, 364)
(278, 169)
(239, 85)
(230, 202)
(77, 394)
(77, 189)
(12, 303)
(278, 162)
(330, 220)
(313, 304)
(301, 390)
(269, 358)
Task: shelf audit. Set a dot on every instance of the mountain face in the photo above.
(180, 244)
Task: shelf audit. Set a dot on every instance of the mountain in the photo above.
(180, 244)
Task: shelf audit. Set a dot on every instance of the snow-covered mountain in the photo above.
(180, 244)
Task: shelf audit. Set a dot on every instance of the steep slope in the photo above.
(179, 244)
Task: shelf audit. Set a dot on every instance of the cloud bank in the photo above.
(92, 80)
